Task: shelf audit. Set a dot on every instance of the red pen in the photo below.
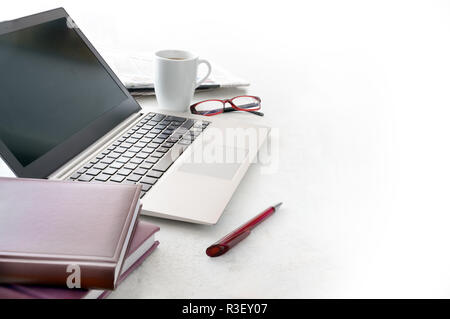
(230, 240)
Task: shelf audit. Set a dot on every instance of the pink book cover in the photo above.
(47, 226)
(140, 248)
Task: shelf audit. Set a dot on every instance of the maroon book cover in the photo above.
(142, 245)
(51, 229)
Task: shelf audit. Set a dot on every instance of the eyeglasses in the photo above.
(245, 103)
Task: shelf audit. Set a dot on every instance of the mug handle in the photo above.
(207, 74)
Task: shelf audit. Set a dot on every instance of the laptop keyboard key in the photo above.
(154, 174)
(85, 178)
(140, 144)
(148, 150)
(151, 135)
(75, 175)
(167, 144)
(151, 160)
(188, 124)
(160, 126)
(163, 135)
(148, 180)
(119, 150)
(175, 118)
(123, 159)
(146, 140)
(162, 149)
(136, 160)
(173, 139)
(93, 171)
(140, 171)
(155, 131)
(130, 166)
(124, 172)
(158, 117)
(134, 178)
(126, 145)
(117, 179)
(116, 165)
(132, 140)
(184, 141)
(100, 166)
(142, 155)
(152, 145)
(82, 170)
(157, 154)
(110, 171)
(107, 160)
(146, 165)
(88, 165)
(137, 135)
(135, 149)
(158, 140)
(128, 154)
(102, 177)
(114, 155)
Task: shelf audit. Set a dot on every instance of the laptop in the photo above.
(65, 115)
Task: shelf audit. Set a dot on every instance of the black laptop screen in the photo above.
(51, 87)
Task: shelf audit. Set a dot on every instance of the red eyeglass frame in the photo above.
(224, 102)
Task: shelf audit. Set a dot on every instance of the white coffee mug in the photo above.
(176, 78)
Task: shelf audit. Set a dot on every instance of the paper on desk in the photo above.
(136, 72)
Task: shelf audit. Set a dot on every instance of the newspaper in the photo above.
(136, 73)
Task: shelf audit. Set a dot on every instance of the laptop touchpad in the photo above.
(222, 162)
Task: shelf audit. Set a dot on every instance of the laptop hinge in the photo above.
(65, 171)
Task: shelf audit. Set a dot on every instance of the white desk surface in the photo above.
(360, 94)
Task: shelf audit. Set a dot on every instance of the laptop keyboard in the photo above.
(144, 152)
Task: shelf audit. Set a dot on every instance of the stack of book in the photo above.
(61, 239)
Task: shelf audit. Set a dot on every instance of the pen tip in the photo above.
(216, 250)
(276, 206)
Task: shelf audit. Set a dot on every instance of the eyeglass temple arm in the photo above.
(245, 106)
(230, 109)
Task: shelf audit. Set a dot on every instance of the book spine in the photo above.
(63, 274)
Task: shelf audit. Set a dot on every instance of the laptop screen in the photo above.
(52, 86)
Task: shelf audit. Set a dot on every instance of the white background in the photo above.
(359, 91)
